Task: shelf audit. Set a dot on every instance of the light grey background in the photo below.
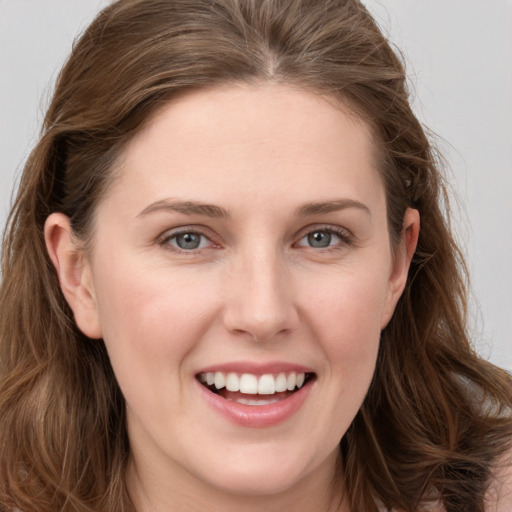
(459, 56)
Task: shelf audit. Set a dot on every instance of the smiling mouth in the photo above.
(250, 389)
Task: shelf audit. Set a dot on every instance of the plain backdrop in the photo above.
(459, 59)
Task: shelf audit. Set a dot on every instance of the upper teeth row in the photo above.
(250, 384)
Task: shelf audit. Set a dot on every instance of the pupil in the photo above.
(319, 239)
(188, 241)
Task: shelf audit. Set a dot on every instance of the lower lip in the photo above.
(257, 416)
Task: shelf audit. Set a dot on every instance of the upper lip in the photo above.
(256, 368)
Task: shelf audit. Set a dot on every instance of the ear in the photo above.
(74, 273)
(401, 262)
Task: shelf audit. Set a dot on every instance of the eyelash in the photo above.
(165, 240)
(346, 239)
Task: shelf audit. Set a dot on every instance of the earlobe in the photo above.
(74, 273)
(402, 261)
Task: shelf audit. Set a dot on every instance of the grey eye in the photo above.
(319, 239)
(188, 241)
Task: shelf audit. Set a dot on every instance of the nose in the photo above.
(259, 295)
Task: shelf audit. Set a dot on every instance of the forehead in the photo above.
(255, 113)
(257, 140)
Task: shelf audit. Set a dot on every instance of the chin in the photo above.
(261, 483)
(260, 476)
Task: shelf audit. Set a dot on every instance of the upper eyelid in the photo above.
(169, 234)
(346, 239)
(197, 229)
(338, 230)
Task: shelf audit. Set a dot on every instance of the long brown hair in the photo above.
(436, 417)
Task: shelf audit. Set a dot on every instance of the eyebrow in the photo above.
(185, 207)
(214, 211)
(321, 207)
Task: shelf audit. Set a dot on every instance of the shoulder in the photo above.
(499, 494)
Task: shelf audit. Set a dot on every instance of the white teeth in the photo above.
(291, 381)
(232, 382)
(250, 384)
(248, 401)
(281, 383)
(266, 385)
(220, 380)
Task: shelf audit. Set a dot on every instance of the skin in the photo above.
(255, 290)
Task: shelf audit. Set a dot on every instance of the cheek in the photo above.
(349, 305)
(150, 305)
(346, 316)
(151, 320)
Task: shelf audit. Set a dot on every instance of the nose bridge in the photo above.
(260, 302)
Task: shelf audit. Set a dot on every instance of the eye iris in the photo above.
(188, 241)
(319, 239)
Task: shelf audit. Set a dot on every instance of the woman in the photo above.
(235, 306)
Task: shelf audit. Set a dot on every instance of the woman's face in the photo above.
(244, 241)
